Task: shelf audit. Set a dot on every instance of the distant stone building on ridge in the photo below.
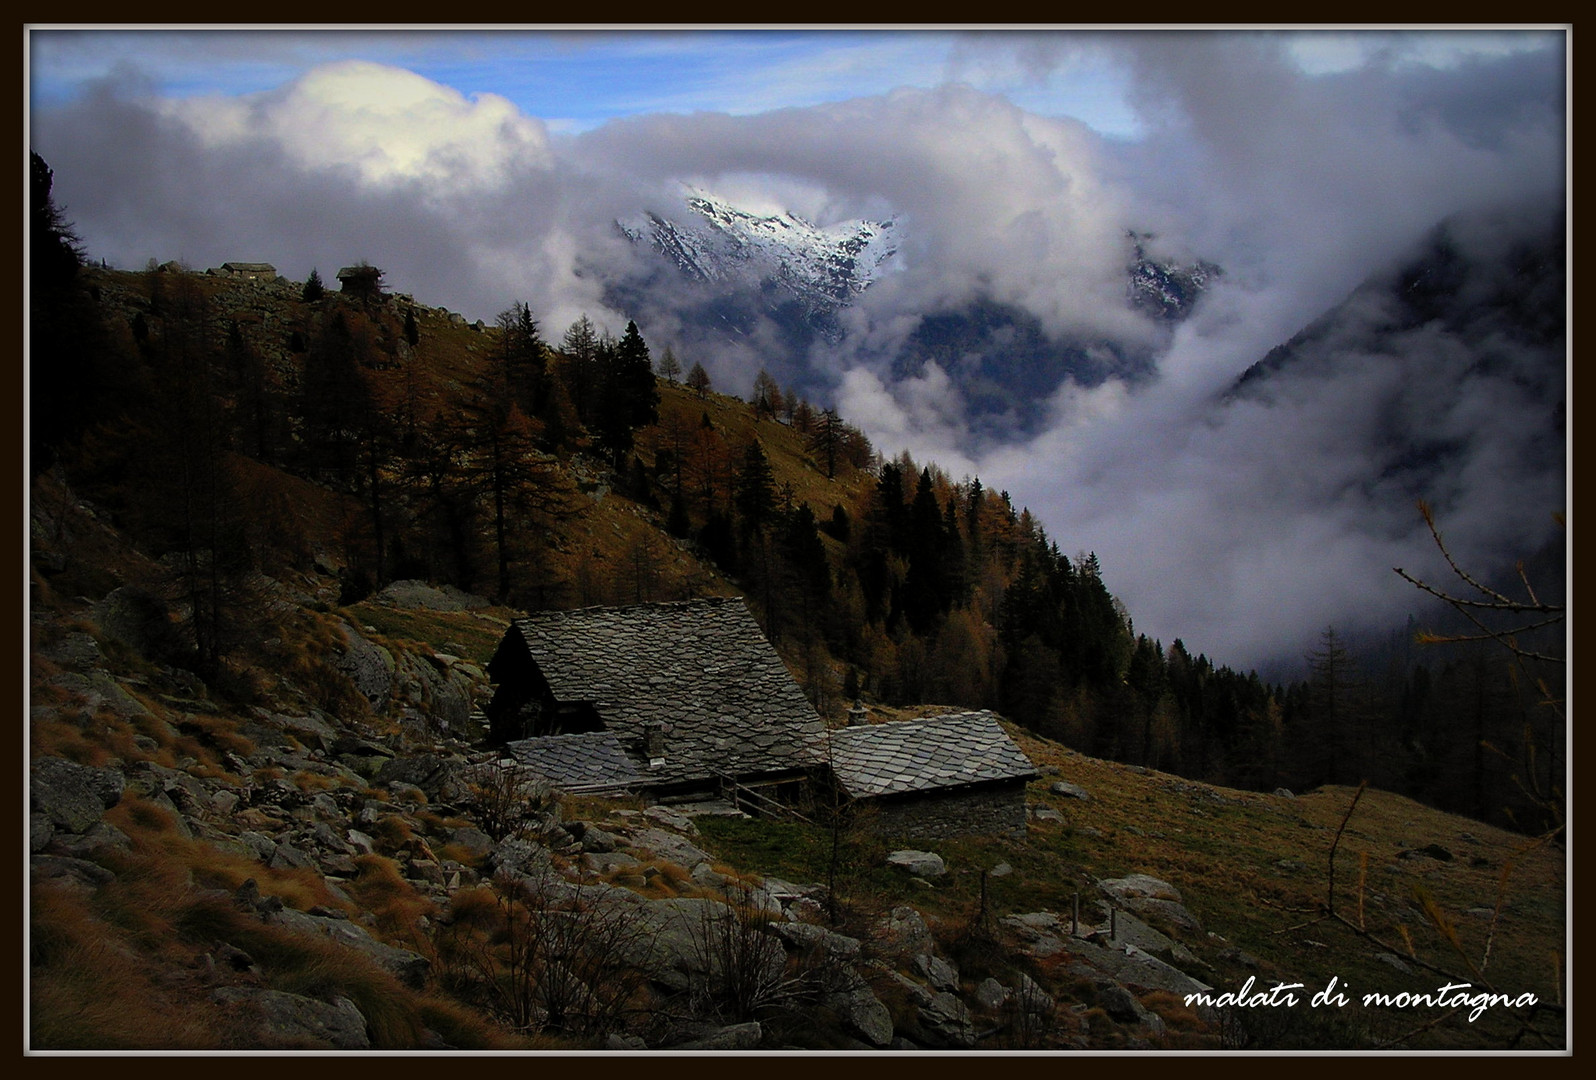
(249, 270)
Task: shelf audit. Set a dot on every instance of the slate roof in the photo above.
(250, 268)
(579, 760)
(701, 667)
(925, 755)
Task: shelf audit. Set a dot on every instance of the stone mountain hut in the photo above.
(249, 271)
(934, 777)
(688, 700)
(669, 697)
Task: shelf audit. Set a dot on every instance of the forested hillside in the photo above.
(278, 527)
(241, 431)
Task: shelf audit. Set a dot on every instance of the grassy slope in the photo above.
(1253, 868)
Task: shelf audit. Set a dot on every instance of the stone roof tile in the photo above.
(926, 754)
(590, 757)
(703, 667)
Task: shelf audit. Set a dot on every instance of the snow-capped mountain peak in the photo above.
(822, 267)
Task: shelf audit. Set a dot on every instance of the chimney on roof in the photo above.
(654, 742)
(857, 714)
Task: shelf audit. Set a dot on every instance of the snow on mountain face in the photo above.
(824, 268)
(1166, 290)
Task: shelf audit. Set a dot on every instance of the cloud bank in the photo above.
(1243, 528)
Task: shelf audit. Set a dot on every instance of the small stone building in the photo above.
(250, 271)
(671, 698)
(934, 777)
(362, 281)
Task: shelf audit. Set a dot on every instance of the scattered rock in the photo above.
(671, 819)
(290, 1021)
(945, 1022)
(902, 933)
(920, 864)
(370, 667)
(859, 1009)
(1069, 790)
(938, 972)
(70, 796)
(411, 968)
(1429, 851)
(991, 994)
(1151, 898)
(736, 1037)
(419, 594)
(1121, 1004)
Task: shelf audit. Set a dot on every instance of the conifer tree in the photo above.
(630, 397)
(669, 366)
(74, 379)
(698, 379)
(581, 348)
(755, 490)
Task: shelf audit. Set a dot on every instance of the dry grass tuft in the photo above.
(382, 890)
(311, 781)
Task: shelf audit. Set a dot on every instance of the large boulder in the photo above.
(857, 1008)
(699, 944)
(902, 933)
(138, 620)
(419, 594)
(1139, 886)
(744, 1036)
(940, 973)
(805, 937)
(98, 690)
(438, 688)
(920, 864)
(370, 667)
(441, 779)
(1151, 898)
(1130, 966)
(1040, 933)
(666, 846)
(73, 797)
(411, 968)
(291, 1021)
(945, 1022)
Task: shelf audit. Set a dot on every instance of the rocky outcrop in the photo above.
(70, 797)
(293, 1022)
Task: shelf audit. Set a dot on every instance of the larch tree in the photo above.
(669, 366)
(698, 379)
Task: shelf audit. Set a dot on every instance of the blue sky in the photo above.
(577, 79)
(479, 168)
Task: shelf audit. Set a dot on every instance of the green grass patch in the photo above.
(433, 629)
